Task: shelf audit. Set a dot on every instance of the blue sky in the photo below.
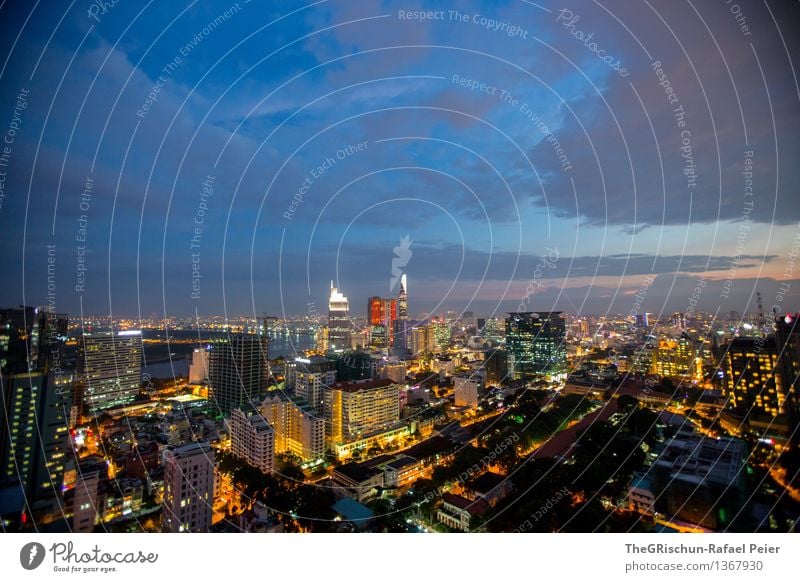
(258, 95)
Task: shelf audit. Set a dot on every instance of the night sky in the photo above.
(271, 147)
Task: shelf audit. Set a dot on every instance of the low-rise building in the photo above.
(490, 487)
(456, 512)
(357, 481)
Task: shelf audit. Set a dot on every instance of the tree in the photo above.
(627, 402)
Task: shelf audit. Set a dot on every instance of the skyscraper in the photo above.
(402, 326)
(109, 369)
(752, 382)
(339, 326)
(381, 316)
(787, 339)
(31, 338)
(35, 408)
(423, 340)
(441, 333)
(238, 371)
(188, 488)
(536, 344)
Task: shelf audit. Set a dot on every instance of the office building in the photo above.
(109, 369)
(253, 440)
(238, 371)
(298, 428)
(493, 329)
(402, 327)
(34, 439)
(355, 409)
(381, 316)
(441, 334)
(466, 390)
(339, 325)
(536, 346)
(675, 358)
(787, 340)
(306, 378)
(36, 407)
(753, 384)
(423, 340)
(188, 488)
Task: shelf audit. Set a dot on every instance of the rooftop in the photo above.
(355, 472)
(359, 385)
(476, 507)
(192, 449)
(701, 459)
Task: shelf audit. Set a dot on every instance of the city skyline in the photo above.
(402, 266)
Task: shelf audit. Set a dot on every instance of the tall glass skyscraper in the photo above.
(402, 327)
(536, 344)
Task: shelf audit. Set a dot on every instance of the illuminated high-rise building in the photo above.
(299, 430)
(109, 369)
(355, 409)
(753, 384)
(402, 298)
(36, 399)
(675, 358)
(339, 326)
(535, 343)
(381, 316)
(441, 333)
(787, 338)
(423, 340)
(402, 327)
